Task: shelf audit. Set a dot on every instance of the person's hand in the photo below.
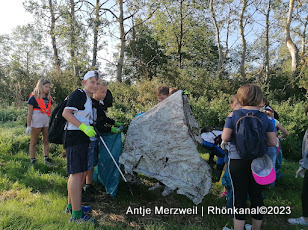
(88, 130)
(118, 123)
(300, 172)
(116, 130)
(223, 145)
(28, 130)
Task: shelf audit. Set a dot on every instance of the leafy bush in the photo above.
(292, 117)
(12, 113)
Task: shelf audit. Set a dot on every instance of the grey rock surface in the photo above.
(162, 143)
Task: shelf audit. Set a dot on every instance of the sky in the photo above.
(12, 14)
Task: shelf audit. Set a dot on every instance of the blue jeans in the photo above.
(272, 153)
(279, 163)
(93, 154)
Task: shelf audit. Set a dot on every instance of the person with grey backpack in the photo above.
(249, 132)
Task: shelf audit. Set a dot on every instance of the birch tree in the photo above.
(290, 44)
(243, 39)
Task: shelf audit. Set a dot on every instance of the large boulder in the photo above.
(162, 143)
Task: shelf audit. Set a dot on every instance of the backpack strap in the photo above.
(241, 114)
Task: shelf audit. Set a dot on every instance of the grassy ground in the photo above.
(34, 197)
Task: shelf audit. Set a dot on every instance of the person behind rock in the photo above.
(303, 172)
(39, 110)
(100, 121)
(162, 93)
(172, 90)
(250, 97)
(79, 115)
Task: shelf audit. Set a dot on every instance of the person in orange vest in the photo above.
(39, 110)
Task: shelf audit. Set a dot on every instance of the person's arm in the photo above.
(30, 113)
(69, 116)
(283, 130)
(271, 139)
(226, 134)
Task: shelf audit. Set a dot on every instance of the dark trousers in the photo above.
(305, 195)
(243, 184)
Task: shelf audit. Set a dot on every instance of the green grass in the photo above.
(34, 197)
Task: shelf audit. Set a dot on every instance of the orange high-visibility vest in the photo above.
(42, 105)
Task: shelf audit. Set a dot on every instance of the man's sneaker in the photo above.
(156, 186)
(300, 221)
(84, 209)
(167, 191)
(84, 218)
(48, 161)
(33, 161)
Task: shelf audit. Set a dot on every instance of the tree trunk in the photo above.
(53, 37)
(95, 32)
(290, 44)
(180, 42)
(122, 37)
(243, 55)
(304, 38)
(220, 65)
(72, 37)
(267, 40)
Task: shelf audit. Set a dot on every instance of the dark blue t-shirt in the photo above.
(32, 101)
(230, 123)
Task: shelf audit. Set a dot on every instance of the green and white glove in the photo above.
(88, 130)
(300, 172)
(116, 130)
(118, 124)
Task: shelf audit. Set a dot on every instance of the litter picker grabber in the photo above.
(116, 164)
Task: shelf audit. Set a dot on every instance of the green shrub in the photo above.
(12, 113)
(292, 117)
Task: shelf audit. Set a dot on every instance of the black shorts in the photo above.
(77, 158)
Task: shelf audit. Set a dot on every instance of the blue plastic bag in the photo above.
(106, 172)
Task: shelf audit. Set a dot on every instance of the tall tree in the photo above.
(267, 44)
(53, 35)
(243, 39)
(146, 57)
(181, 26)
(123, 13)
(221, 21)
(95, 33)
(46, 16)
(290, 44)
(26, 59)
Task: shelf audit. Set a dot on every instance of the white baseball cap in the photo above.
(90, 74)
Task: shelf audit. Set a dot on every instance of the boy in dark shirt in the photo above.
(103, 124)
